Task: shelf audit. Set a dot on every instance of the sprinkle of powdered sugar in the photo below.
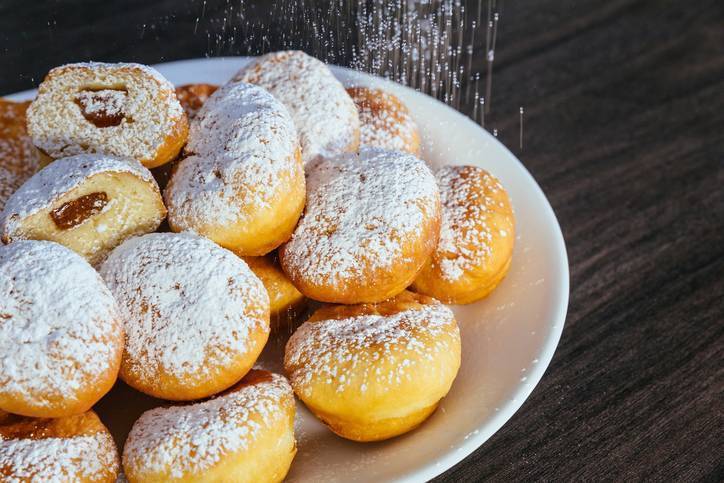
(184, 301)
(195, 437)
(59, 177)
(241, 143)
(58, 322)
(323, 112)
(360, 208)
(18, 157)
(146, 99)
(366, 342)
(384, 121)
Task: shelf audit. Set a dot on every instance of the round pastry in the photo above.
(323, 112)
(385, 121)
(285, 301)
(242, 184)
(89, 203)
(196, 317)
(243, 435)
(127, 110)
(476, 237)
(374, 371)
(18, 157)
(370, 224)
(61, 337)
(73, 448)
(193, 96)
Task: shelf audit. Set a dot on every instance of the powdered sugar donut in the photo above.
(18, 157)
(89, 203)
(196, 317)
(476, 237)
(61, 337)
(374, 371)
(370, 224)
(243, 435)
(73, 448)
(127, 110)
(385, 121)
(242, 184)
(193, 96)
(323, 112)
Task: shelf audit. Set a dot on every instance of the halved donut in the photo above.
(127, 110)
(90, 203)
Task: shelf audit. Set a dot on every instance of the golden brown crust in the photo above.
(193, 96)
(18, 157)
(476, 241)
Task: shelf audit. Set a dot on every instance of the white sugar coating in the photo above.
(360, 209)
(59, 324)
(142, 95)
(364, 343)
(189, 306)
(384, 121)
(323, 112)
(241, 144)
(58, 460)
(465, 235)
(59, 177)
(196, 437)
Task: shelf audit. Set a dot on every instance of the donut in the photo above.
(242, 183)
(243, 435)
(18, 157)
(285, 301)
(385, 121)
(127, 110)
(89, 203)
(61, 336)
(370, 224)
(75, 448)
(476, 237)
(193, 96)
(323, 112)
(374, 371)
(196, 317)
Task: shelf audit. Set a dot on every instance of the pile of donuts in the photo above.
(159, 235)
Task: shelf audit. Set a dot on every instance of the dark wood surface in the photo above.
(625, 134)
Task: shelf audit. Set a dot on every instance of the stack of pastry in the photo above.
(282, 191)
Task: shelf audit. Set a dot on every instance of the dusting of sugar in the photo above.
(18, 157)
(108, 101)
(185, 302)
(323, 112)
(360, 209)
(365, 343)
(384, 121)
(55, 180)
(146, 99)
(242, 145)
(195, 437)
(57, 460)
(469, 200)
(58, 322)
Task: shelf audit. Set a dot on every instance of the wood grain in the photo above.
(624, 120)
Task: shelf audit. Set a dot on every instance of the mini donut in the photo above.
(242, 184)
(196, 317)
(323, 112)
(127, 110)
(18, 157)
(193, 96)
(285, 301)
(476, 237)
(370, 224)
(90, 203)
(73, 448)
(243, 435)
(374, 371)
(385, 121)
(61, 337)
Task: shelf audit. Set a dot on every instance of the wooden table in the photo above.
(624, 131)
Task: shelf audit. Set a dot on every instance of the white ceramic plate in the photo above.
(508, 339)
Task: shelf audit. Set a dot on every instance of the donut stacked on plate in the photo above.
(285, 195)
